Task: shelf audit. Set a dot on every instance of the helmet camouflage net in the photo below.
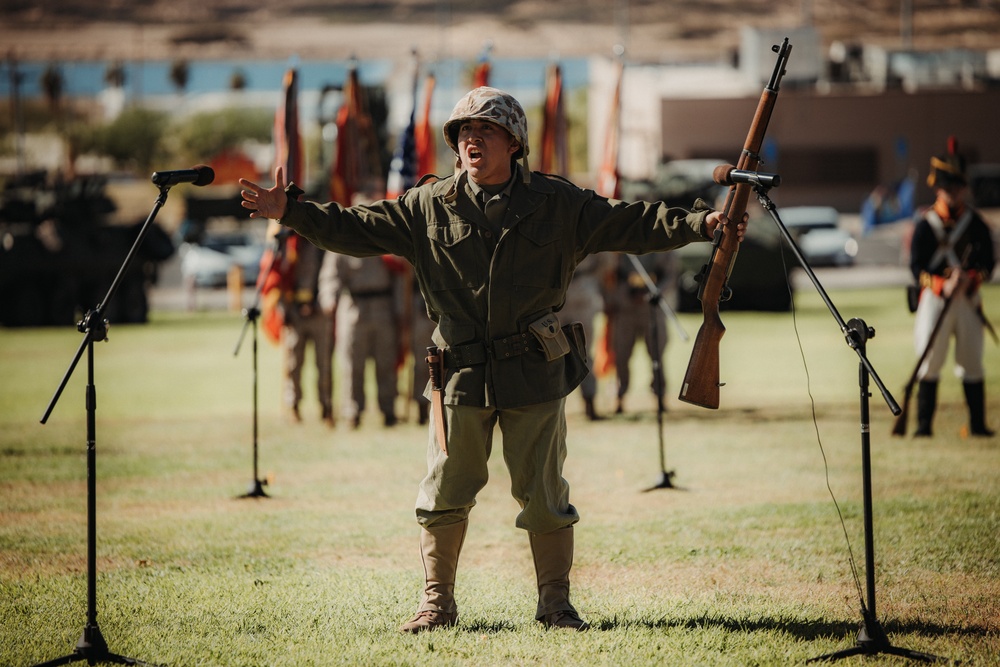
(493, 105)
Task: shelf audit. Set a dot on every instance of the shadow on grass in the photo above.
(803, 629)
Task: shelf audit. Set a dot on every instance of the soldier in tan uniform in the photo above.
(493, 247)
(306, 320)
(634, 315)
(367, 328)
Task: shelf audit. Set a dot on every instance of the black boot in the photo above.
(975, 397)
(588, 404)
(926, 404)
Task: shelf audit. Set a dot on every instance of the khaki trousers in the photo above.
(534, 448)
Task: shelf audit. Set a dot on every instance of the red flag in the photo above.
(423, 133)
(481, 74)
(287, 142)
(278, 269)
(554, 150)
(356, 160)
(608, 186)
(607, 174)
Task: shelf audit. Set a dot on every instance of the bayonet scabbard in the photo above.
(435, 368)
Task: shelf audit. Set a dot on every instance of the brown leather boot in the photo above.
(439, 550)
(553, 556)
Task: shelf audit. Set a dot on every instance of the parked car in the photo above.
(207, 262)
(816, 231)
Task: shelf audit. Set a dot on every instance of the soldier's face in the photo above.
(953, 194)
(485, 150)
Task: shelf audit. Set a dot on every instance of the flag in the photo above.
(404, 165)
(356, 160)
(481, 73)
(608, 186)
(554, 150)
(415, 153)
(277, 272)
(607, 174)
(424, 133)
(889, 203)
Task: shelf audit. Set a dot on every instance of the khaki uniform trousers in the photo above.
(367, 329)
(297, 332)
(534, 449)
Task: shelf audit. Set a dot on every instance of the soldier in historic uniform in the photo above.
(584, 300)
(634, 310)
(951, 255)
(367, 328)
(307, 318)
(493, 248)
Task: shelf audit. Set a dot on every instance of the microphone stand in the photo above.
(871, 639)
(655, 299)
(250, 315)
(92, 646)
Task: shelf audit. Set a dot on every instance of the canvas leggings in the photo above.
(534, 449)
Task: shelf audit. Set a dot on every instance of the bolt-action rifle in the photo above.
(701, 382)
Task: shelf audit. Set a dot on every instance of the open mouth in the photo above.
(475, 154)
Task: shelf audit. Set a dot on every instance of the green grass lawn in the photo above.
(745, 562)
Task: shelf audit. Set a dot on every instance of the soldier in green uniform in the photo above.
(493, 248)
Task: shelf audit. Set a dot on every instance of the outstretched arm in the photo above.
(263, 202)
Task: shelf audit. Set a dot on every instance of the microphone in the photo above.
(198, 175)
(727, 174)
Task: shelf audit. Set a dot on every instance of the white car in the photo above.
(818, 235)
(208, 262)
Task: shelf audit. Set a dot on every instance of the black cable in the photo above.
(819, 440)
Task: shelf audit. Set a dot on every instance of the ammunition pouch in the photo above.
(550, 336)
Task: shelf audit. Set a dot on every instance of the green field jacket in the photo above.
(483, 290)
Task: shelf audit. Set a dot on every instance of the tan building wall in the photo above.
(834, 149)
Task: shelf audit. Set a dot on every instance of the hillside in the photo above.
(659, 30)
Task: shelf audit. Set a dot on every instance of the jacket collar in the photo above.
(455, 193)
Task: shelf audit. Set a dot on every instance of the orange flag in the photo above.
(607, 174)
(423, 133)
(278, 268)
(481, 74)
(554, 158)
(608, 186)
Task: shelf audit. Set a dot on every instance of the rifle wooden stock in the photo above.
(701, 381)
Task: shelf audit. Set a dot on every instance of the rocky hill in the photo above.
(657, 30)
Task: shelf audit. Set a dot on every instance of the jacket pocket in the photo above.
(453, 257)
(538, 255)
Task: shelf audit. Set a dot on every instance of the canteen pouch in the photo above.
(550, 336)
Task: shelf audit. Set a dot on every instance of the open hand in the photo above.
(265, 203)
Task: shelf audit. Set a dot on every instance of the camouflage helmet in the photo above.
(495, 106)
